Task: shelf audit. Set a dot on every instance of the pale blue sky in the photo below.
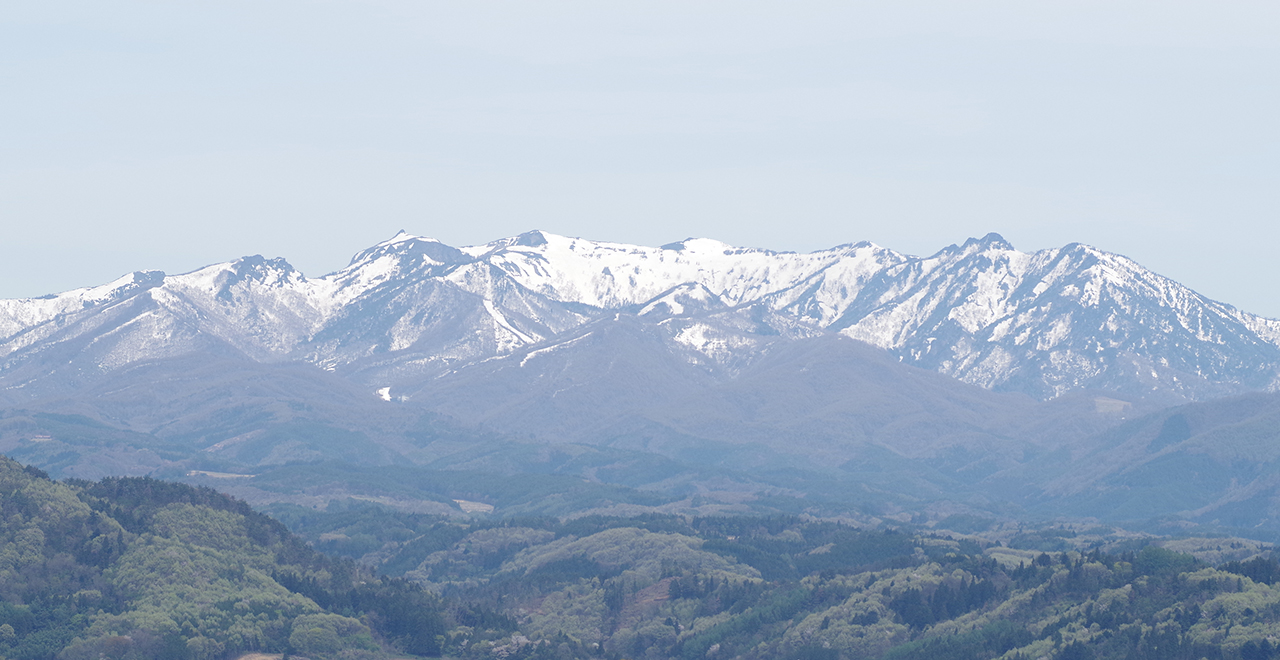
(140, 135)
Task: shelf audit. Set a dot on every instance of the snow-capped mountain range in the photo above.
(411, 309)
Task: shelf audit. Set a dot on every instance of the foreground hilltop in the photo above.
(138, 568)
(411, 308)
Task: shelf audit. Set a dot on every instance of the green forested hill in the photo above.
(794, 588)
(138, 568)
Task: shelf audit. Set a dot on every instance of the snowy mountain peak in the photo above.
(403, 236)
(860, 245)
(991, 241)
(20, 314)
(136, 281)
(220, 278)
(535, 238)
(404, 243)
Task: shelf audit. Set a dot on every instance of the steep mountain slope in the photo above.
(1213, 462)
(824, 405)
(622, 383)
(202, 412)
(1060, 320)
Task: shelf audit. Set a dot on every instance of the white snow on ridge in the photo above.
(19, 314)
(1267, 329)
(991, 302)
(673, 302)
(839, 285)
(610, 275)
(551, 349)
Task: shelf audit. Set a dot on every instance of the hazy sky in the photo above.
(144, 135)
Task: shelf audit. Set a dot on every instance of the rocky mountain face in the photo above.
(411, 309)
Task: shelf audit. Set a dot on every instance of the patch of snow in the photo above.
(469, 506)
(551, 349)
(506, 325)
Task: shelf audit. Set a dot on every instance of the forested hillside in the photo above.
(787, 587)
(139, 568)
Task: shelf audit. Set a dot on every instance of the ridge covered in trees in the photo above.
(658, 586)
(139, 568)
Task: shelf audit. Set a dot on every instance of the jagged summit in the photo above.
(403, 236)
(993, 240)
(411, 307)
(532, 238)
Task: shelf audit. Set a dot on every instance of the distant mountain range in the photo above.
(693, 376)
(411, 309)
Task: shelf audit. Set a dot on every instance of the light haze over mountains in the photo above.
(619, 444)
(849, 381)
